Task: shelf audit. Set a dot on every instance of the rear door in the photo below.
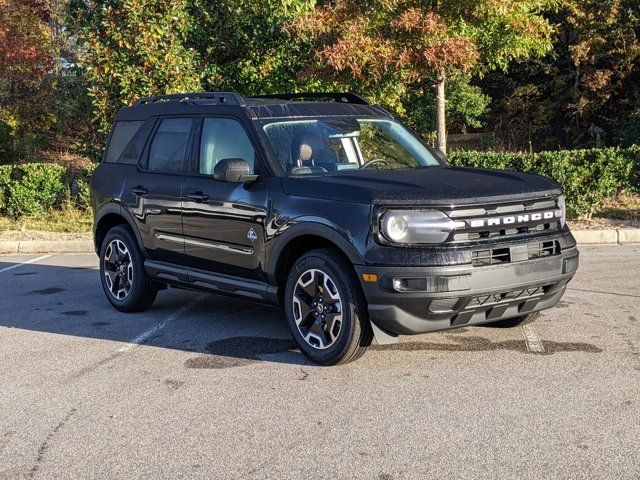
(153, 193)
(224, 222)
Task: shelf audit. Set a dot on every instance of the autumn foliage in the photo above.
(25, 44)
(408, 42)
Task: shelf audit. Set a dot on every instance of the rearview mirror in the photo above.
(236, 170)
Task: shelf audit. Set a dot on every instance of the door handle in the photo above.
(138, 190)
(198, 196)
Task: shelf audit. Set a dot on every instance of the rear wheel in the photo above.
(124, 279)
(326, 309)
(516, 321)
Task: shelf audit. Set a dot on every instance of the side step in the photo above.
(211, 282)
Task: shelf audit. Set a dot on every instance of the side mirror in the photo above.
(236, 170)
(440, 155)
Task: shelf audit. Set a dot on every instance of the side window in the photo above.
(169, 145)
(223, 138)
(122, 134)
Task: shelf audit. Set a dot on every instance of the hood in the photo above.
(428, 186)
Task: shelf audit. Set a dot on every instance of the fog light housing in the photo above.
(431, 284)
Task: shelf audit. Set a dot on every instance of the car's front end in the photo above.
(441, 247)
(444, 267)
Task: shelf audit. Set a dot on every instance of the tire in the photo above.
(332, 327)
(515, 322)
(124, 279)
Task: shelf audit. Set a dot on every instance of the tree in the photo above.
(25, 47)
(134, 48)
(383, 47)
(137, 48)
(242, 45)
(582, 94)
(26, 57)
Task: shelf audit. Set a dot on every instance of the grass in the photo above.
(623, 207)
(67, 220)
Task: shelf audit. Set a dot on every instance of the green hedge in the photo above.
(588, 177)
(34, 189)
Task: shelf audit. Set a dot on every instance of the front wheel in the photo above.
(516, 321)
(124, 279)
(326, 309)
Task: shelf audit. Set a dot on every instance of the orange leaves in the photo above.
(25, 49)
(358, 53)
(383, 40)
(414, 20)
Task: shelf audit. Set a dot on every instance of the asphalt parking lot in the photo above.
(204, 386)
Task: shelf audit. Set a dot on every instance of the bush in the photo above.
(80, 186)
(588, 177)
(5, 176)
(35, 189)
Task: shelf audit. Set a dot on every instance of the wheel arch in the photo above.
(300, 239)
(109, 216)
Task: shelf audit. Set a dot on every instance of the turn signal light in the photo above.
(370, 277)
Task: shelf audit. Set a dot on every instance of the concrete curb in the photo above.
(611, 236)
(46, 246)
(608, 236)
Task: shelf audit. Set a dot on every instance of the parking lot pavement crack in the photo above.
(604, 293)
(4, 440)
(46, 443)
(90, 368)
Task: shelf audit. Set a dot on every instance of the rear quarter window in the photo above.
(121, 135)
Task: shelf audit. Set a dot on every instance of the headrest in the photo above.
(308, 144)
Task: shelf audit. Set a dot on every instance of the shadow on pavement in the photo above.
(221, 332)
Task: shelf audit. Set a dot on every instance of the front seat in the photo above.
(302, 151)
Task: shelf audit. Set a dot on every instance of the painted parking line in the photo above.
(33, 260)
(532, 339)
(143, 337)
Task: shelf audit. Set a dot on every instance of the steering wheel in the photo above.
(373, 161)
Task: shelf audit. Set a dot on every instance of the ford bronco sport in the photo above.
(327, 206)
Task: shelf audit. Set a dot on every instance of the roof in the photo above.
(262, 107)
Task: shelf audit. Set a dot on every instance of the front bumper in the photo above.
(466, 295)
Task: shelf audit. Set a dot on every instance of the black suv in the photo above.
(328, 206)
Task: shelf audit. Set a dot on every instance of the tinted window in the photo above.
(169, 145)
(134, 148)
(122, 133)
(223, 138)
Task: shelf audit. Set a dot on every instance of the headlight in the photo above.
(417, 226)
(562, 205)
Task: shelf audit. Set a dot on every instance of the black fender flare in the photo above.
(312, 226)
(116, 208)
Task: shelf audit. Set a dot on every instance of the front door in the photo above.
(224, 222)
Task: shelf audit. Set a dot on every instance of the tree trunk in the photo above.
(441, 126)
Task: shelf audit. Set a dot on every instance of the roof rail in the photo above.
(229, 98)
(342, 97)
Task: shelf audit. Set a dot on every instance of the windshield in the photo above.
(318, 147)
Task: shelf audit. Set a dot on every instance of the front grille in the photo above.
(543, 249)
(497, 256)
(504, 232)
(492, 256)
(494, 222)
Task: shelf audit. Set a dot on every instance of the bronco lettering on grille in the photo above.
(514, 219)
